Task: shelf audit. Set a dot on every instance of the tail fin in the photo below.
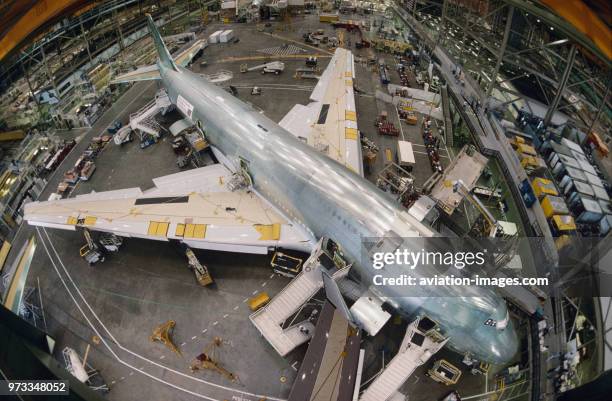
(165, 60)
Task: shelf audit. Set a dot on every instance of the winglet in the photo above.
(165, 60)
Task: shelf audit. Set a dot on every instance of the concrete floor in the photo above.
(145, 284)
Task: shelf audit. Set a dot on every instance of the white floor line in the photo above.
(122, 347)
(102, 338)
(424, 153)
(400, 123)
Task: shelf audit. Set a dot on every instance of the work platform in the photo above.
(269, 319)
(467, 167)
(144, 119)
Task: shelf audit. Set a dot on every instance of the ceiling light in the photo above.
(557, 42)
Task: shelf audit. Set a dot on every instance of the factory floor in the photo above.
(123, 299)
(146, 284)
(369, 108)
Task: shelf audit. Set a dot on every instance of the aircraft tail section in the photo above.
(165, 60)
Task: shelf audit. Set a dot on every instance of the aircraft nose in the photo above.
(505, 347)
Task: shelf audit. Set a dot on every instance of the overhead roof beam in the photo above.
(585, 21)
(563, 22)
(36, 17)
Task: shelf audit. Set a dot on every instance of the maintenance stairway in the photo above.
(144, 119)
(420, 343)
(270, 318)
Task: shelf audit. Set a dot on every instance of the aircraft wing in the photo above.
(329, 122)
(151, 72)
(147, 73)
(195, 207)
(185, 57)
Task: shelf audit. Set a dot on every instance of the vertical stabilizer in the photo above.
(165, 60)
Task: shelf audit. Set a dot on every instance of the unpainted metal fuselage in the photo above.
(328, 199)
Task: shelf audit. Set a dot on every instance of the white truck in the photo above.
(275, 67)
(405, 155)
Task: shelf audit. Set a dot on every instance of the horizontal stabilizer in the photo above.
(151, 72)
(148, 73)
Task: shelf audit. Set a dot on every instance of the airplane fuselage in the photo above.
(327, 199)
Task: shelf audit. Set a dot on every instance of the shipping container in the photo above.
(575, 174)
(575, 195)
(526, 149)
(606, 207)
(605, 224)
(558, 160)
(563, 225)
(569, 185)
(533, 165)
(226, 36)
(214, 38)
(572, 145)
(329, 18)
(587, 209)
(553, 205)
(600, 194)
(543, 187)
(593, 180)
(16, 135)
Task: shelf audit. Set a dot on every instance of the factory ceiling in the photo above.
(22, 20)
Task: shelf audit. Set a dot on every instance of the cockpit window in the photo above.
(498, 324)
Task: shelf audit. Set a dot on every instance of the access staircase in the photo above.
(416, 349)
(143, 121)
(269, 319)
